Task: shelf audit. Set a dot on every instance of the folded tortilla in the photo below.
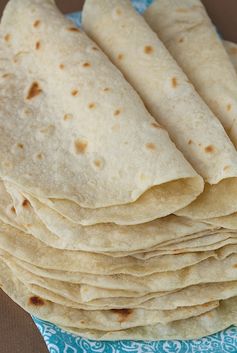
(98, 146)
(190, 36)
(170, 97)
(231, 49)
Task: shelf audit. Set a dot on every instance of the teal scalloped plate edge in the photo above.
(60, 341)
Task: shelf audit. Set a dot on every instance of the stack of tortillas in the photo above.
(118, 192)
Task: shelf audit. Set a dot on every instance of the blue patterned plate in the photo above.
(59, 341)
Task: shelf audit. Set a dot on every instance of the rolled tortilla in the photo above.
(188, 33)
(98, 147)
(141, 56)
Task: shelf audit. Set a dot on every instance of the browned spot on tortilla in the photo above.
(86, 64)
(61, 66)
(209, 149)
(20, 145)
(123, 314)
(34, 90)
(156, 125)
(118, 12)
(80, 146)
(37, 301)
(229, 107)
(67, 117)
(40, 156)
(117, 112)
(13, 209)
(235, 266)
(174, 82)
(181, 40)
(148, 49)
(36, 23)
(74, 29)
(106, 89)
(26, 203)
(150, 146)
(7, 37)
(74, 92)
(182, 10)
(233, 50)
(37, 45)
(95, 48)
(120, 56)
(98, 163)
(6, 75)
(190, 142)
(226, 167)
(91, 105)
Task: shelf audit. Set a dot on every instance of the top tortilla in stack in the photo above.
(171, 98)
(70, 149)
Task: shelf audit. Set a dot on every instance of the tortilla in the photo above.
(170, 97)
(231, 49)
(192, 39)
(70, 149)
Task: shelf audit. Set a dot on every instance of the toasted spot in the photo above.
(226, 167)
(117, 112)
(74, 92)
(86, 64)
(37, 301)
(209, 149)
(150, 146)
(174, 82)
(34, 90)
(95, 48)
(49, 129)
(182, 10)
(91, 105)
(74, 29)
(36, 23)
(120, 56)
(123, 314)
(80, 146)
(7, 37)
(106, 89)
(156, 126)
(228, 107)
(40, 156)
(61, 66)
(37, 45)
(26, 203)
(235, 266)
(98, 163)
(118, 12)
(67, 117)
(20, 145)
(13, 209)
(7, 165)
(190, 142)
(233, 50)
(6, 75)
(181, 40)
(148, 49)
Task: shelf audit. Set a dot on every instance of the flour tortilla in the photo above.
(106, 320)
(192, 39)
(70, 149)
(53, 229)
(24, 246)
(193, 328)
(190, 296)
(231, 49)
(221, 267)
(170, 97)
